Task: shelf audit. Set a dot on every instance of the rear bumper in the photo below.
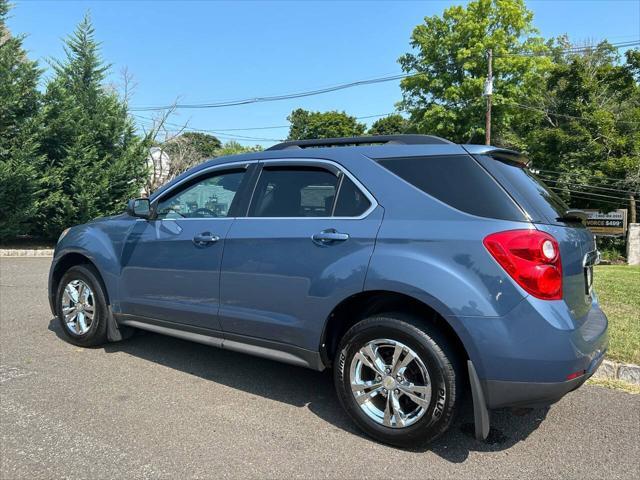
(500, 393)
(525, 357)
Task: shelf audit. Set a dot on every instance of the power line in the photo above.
(227, 136)
(254, 128)
(570, 50)
(574, 184)
(581, 192)
(333, 88)
(619, 180)
(608, 202)
(275, 98)
(563, 115)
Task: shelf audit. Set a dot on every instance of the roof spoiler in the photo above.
(498, 153)
(365, 140)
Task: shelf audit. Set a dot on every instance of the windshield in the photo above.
(536, 198)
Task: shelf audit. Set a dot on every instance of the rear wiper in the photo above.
(573, 215)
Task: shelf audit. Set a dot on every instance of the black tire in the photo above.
(97, 333)
(436, 354)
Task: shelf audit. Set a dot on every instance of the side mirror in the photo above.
(139, 207)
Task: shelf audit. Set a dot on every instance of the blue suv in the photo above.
(416, 268)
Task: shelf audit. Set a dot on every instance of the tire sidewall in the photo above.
(97, 331)
(436, 418)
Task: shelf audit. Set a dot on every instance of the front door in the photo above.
(171, 264)
(304, 245)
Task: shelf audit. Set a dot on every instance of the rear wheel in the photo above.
(82, 307)
(396, 379)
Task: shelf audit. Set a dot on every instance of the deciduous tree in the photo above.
(306, 124)
(389, 125)
(586, 129)
(448, 63)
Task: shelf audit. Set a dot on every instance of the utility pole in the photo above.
(488, 92)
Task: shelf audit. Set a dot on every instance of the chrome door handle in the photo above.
(205, 238)
(327, 237)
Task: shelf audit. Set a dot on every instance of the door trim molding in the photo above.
(281, 352)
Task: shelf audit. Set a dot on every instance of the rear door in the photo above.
(546, 209)
(304, 245)
(171, 264)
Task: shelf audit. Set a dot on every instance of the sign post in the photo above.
(611, 224)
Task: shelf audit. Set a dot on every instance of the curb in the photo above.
(17, 252)
(627, 372)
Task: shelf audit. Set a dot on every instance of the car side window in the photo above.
(351, 201)
(294, 192)
(210, 196)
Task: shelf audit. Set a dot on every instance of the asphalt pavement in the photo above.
(159, 407)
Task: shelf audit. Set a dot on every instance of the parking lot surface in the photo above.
(155, 406)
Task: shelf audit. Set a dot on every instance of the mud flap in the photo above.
(116, 332)
(480, 411)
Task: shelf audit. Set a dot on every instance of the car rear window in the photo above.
(531, 193)
(459, 181)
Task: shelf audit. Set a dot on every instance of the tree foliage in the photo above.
(204, 144)
(389, 125)
(234, 148)
(449, 63)
(587, 127)
(94, 159)
(19, 162)
(306, 124)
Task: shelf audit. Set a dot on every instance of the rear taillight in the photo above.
(531, 258)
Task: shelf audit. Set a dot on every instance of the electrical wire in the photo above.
(581, 192)
(342, 86)
(595, 187)
(253, 128)
(563, 115)
(575, 173)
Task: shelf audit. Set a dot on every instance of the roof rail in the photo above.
(367, 140)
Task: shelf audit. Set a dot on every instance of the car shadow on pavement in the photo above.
(314, 390)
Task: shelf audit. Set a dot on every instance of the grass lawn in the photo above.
(618, 289)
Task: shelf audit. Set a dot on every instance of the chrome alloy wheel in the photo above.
(390, 383)
(78, 307)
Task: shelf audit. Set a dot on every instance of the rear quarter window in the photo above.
(459, 181)
(531, 193)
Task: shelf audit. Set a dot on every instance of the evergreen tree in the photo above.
(19, 102)
(95, 161)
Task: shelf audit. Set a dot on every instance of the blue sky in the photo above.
(211, 51)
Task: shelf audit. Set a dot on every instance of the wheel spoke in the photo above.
(361, 387)
(371, 359)
(395, 409)
(82, 325)
(387, 412)
(72, 292)
(365, 397)
(397, 351)
(414, 391)
(398, 366)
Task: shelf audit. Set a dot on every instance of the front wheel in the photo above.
(396, 379)
(82, 306)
